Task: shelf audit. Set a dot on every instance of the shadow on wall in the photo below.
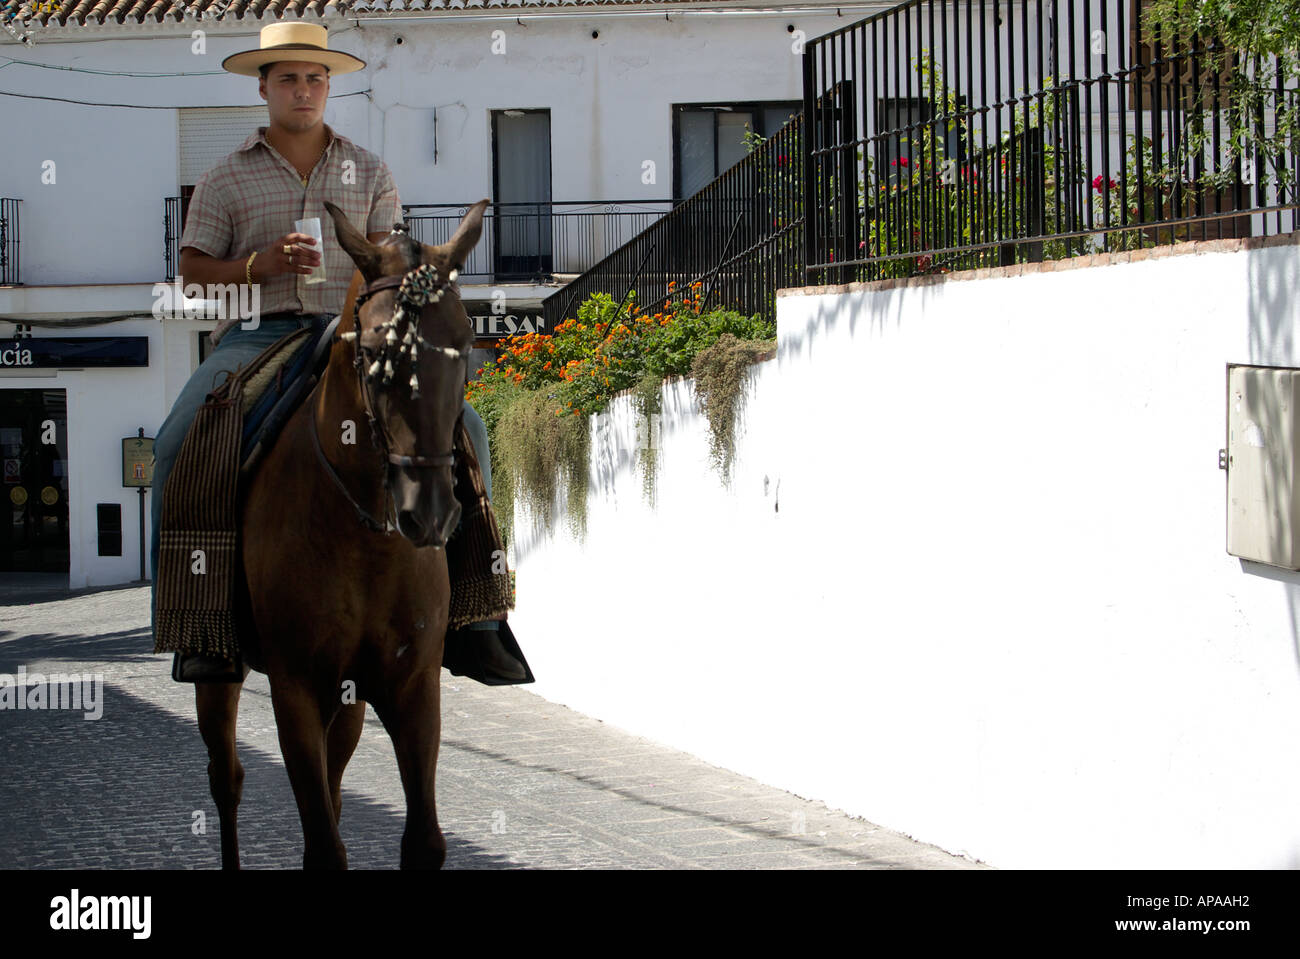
(618, 438)
(876, 307)
(1273, 282)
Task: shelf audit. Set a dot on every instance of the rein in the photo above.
(401, 336)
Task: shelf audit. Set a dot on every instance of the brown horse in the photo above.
(340, 602)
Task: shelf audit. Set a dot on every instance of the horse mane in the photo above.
(350, 301)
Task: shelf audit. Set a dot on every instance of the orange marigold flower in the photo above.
(672, 284)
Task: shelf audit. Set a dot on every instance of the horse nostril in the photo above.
(409, 525)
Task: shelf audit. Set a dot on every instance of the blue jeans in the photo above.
(238, 348)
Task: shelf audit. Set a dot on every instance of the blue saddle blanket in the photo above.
(285, 390)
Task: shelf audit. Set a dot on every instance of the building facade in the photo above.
(581, 121)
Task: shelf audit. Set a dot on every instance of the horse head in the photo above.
(412, 356)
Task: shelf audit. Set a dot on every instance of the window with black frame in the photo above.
(709, 139)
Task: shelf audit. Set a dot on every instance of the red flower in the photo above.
(902, 161)
(1096, 183)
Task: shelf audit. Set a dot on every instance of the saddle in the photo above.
(200, 577)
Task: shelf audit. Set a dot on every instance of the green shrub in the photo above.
(534, 399)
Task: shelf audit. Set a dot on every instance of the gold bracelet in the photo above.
(248, 268)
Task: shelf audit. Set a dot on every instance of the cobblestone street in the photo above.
(522, 782)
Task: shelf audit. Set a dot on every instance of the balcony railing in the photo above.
(10, 274)
(536, 242)
(522, 242)
(171, 236)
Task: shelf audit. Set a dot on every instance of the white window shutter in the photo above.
(209, 135)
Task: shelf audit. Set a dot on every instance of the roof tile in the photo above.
(83, 12)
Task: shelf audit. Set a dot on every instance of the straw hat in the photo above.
(292, 40)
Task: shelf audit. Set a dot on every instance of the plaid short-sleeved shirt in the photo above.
(252, 197)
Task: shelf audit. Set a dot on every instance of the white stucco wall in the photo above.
(994, 609)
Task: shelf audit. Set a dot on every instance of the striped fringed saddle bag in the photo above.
(198, 555)
(476, 556)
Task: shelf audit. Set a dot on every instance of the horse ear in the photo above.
(364, 253)
(466, 237)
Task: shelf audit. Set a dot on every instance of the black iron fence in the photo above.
(537, 242)
(741, 236)
(952, 134)
(10, 272)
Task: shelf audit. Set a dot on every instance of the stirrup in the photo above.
(197, 668)
(463, 656)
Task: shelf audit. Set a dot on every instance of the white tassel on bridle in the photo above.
(420, 287)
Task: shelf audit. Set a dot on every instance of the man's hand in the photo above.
(197, 267)
(302, 257)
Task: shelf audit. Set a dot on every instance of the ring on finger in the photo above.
(288, 249)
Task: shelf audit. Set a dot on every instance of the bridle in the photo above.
(401, 337)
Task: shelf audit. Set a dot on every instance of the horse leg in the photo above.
(217, 705)
(344, 734)
(302, 743)
(414, 723)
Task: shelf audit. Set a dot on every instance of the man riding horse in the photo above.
(236, 231)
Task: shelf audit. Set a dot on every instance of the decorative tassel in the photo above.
(374, 369)
(391, 338)
(348, 337)
(451, 277)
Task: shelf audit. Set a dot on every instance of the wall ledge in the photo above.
(1193, 247)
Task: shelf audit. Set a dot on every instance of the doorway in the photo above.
(34, 453)
(521, 177)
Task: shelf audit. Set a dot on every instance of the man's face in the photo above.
(295, 94)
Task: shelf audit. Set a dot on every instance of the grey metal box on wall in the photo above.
(1263, 502)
